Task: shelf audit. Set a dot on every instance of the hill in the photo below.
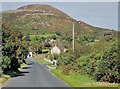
(36, 18)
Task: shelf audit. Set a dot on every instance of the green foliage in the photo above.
(27, 37)
(108, 67)
(103, 65)
(86, 38)
(25, 51)
(55, 56)
(102, 45)
(58, 33)
(54, 37)
(65, 58)
(66, 69)
(13, 47)
(5, 62)
(39, 50)
(82, 49)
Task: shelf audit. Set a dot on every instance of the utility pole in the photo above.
(73, 38)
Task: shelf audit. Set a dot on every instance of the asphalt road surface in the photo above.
(35, 75)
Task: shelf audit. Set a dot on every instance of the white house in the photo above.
(58, 49)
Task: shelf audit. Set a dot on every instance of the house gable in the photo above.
(55, 50)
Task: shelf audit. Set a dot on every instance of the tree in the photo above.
(13, 47)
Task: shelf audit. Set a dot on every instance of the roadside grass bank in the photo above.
(82, 81)
(40, 59)
(4, 78)
(73, 79)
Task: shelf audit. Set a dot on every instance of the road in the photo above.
(35, 75)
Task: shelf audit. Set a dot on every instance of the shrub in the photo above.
(27, 38)
(86, 38)
(5, 62)
(39, 50)
(66, 70)
(65, 58)
(83, 64)
(58, 33)
(108, 67)
(50, 57)
(55, 56)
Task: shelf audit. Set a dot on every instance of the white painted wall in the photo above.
(55, 50)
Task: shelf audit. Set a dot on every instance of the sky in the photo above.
(99, 14)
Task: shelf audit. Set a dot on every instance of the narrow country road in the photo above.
(35, 75)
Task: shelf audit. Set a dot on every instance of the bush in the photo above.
(108, 67)
(39, 50)
(55, 56)
(66, 70)
(83, 64)
(65, 58)
(58, 33)
(86, 38)
(27, 38)
(5, 62)
(50, 57)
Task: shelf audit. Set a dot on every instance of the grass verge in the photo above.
(83, 81)
(4, 78)
(40, 59)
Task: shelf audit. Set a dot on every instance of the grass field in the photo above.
(83, 81)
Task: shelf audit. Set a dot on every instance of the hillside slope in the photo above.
(36, 18)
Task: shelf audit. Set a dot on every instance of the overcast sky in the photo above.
(100, 14)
